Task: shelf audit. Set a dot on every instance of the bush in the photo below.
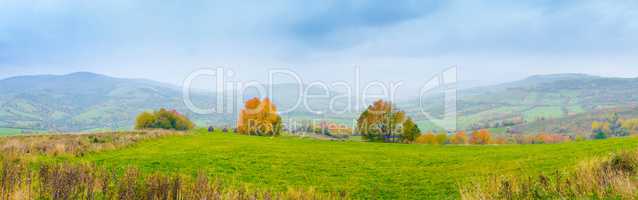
(163, 119)
(625, 162)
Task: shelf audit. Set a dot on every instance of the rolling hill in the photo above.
(533, 104)
(83, 101)
(565, 103)
(86, 101)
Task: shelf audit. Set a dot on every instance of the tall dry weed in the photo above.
(608, 178)
(71, 181)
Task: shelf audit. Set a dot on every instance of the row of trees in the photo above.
(382, 121)
(614, 126)
(485, 137)
(163, 119)
(482, 136)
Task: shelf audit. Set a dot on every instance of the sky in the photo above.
(489, 41)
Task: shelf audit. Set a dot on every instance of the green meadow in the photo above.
(363, 170)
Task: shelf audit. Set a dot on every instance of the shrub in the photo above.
(625, 162)
(163, 119)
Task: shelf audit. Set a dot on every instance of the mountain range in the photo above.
(83, 101)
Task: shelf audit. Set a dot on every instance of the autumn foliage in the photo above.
(482, 136)
(459, 138)
(259, 117)
(163, 119)
(381, 122)
(427, 138)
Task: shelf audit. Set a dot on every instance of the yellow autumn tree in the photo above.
(259, 117)
(381, 121)
(427, 138)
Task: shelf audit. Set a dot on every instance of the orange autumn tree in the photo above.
(459, 138)
(259, 117)
(482, 136)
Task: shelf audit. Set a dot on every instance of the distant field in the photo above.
(17, 131)
(364, 170)
(543, 112)
(9, 131)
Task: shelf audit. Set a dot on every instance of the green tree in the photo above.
(441, 138)
(410, 131)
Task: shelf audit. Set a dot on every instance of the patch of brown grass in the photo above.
(75, 144)
(66, 181)
(609, 178)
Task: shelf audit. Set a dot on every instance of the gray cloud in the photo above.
(167, 40)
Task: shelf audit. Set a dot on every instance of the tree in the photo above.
(482, 136)
(144, 120)
(410, 131)
(259, 117)
(163, 119)
(441, 138)
(427, 138)
(459, 138)
(380, 122)
(600, 129)
(615, 126)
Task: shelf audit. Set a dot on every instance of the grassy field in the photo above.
(364, 170)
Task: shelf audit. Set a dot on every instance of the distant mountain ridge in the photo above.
(539, 98)
(88, 101)
(82, 101)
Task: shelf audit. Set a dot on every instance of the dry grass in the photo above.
(610, 178)
(65, 181)
(75, 144)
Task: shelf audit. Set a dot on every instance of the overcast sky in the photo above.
(489, 40)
